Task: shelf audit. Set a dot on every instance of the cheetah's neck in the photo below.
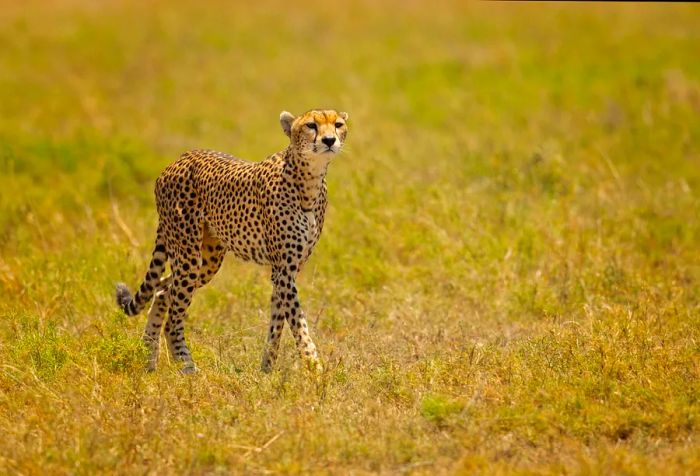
(307, 175)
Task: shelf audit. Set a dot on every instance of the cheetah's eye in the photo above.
(338, 125)
(311, 125)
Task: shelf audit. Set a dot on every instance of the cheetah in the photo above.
(269, 212)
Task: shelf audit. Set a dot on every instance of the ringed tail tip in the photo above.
(124, 299)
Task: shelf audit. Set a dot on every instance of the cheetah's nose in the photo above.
(328, 140)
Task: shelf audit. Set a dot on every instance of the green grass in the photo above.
(508, 277)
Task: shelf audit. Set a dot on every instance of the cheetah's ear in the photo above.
(344, 115)
(286, 119)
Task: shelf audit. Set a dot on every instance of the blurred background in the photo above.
(510, 263)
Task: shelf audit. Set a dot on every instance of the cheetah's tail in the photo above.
(132, 305)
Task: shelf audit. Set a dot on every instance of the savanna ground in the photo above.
(508, 277)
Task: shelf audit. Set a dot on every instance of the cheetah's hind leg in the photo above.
(154, 324)
(185, 268)
(212, 255)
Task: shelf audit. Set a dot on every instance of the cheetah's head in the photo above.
(316, 133)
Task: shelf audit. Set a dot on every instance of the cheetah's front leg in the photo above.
(286, 305)
(276, 325)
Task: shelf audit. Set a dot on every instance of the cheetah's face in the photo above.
(316, 133)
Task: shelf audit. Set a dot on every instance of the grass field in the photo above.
(508, 280)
